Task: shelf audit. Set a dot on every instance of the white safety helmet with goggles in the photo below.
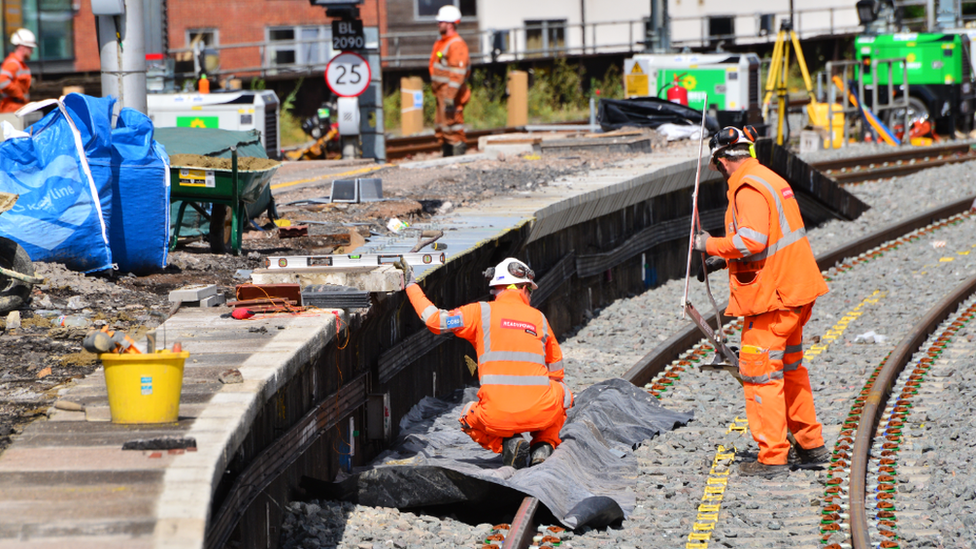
(733, 142)
(510, 271)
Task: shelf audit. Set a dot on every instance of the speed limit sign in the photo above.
(348, 74)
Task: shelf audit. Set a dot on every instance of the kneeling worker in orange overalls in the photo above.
(774, 280)
(519, 365)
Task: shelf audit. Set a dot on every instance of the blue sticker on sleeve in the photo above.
(453, 322)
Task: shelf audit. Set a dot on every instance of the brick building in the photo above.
(291, 35)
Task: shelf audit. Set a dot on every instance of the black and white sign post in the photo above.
(355, 77)
(348, 75)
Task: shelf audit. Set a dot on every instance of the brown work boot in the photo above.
(814, 457)
(540, 452)
(515, 452)
(759, 469)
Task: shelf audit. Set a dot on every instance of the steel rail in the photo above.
(878, 159)
(670, 350)
(877, 398)
(897, 170)
(400, 147)
(523, 526)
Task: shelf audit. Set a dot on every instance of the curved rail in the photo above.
(878, 396)
(667, 352)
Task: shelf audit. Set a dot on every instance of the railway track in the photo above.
(402, 147)
(661, 372)
(905, 161)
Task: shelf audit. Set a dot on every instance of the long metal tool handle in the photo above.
(695, 224)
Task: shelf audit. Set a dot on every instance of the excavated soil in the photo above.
(244, 163)
(44, 353)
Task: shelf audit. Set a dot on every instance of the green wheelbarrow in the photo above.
(228, 191)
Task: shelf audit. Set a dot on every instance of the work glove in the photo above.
(407, 269)
(700, 239)
(710, 265)
(449, 109)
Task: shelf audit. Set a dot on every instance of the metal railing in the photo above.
(548, 39)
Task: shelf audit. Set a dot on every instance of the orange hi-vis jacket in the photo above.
(519, 361)
(15, 81)
(450, 66)
(771, 265)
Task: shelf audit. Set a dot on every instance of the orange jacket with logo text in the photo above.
(771, 265)
(519, 360)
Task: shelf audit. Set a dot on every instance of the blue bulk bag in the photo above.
(139, 230)
(63, 211)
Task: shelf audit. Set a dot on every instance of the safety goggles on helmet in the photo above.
(730, 136)
(510, 271)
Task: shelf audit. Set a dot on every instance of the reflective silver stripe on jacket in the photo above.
(5, 83)
(453, 84)
(427, 313)
(485, 326)
(513, 356)
(441, 79)
(555, 366)
(455, 127)
(23, 72)
(792, 365)
(545, 329)
(794, 349)
(497, 379)
(776, 355)
(789, 236)
(753, 235)
(567, 396)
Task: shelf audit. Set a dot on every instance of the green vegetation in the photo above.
(289, 125)
(556, 94)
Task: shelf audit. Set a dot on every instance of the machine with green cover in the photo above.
(940, 76)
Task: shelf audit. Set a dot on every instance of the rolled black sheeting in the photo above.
(649, 112)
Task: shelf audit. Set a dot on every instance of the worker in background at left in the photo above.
(520, 365)
(450, 66)
(15, 75)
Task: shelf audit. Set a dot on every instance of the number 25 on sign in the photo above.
(348, 74)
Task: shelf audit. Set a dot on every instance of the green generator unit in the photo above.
(730, 80)
(940, 77)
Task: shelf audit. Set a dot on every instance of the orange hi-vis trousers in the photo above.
(776, 384)
(474, 425)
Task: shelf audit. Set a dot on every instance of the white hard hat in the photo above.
(448, 14)
(510, 271)
(23, 37)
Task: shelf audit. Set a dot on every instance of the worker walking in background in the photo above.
(774, 281)
(450, 66)
(519, 365)
(15, 75)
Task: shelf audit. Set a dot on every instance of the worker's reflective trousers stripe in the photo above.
(778, 395)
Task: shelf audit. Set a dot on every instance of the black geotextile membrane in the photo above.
(649, 112)
(587, 481)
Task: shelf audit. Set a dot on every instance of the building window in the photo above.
(52, 21)
(311, 45)
(721, 29)
(427, 9)
(545, 37)
(204, 37)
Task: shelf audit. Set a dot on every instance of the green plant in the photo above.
(391, 110)
(258, 84)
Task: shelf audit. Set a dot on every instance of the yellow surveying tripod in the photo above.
(779, 71)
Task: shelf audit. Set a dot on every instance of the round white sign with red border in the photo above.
(348, 74)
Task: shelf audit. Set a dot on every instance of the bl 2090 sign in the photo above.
(348, 74)
(348, 35)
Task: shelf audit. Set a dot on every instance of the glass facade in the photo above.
(52, 21)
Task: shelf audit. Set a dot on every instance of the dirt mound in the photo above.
(244, 163)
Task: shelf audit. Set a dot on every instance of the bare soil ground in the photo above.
(41, 355)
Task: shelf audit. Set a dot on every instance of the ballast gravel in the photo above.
(886, 295)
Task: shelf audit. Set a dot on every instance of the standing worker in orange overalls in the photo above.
(450, 66)
(774, 281)
(520, 366)
(15, 75)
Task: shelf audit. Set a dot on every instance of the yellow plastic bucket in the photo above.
(144, 388)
